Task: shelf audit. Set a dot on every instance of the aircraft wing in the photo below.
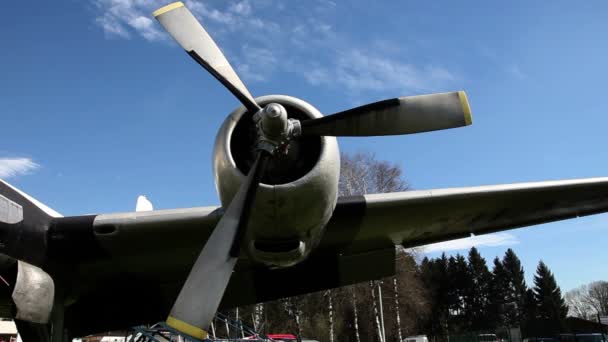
(126, 269)
(415, 218)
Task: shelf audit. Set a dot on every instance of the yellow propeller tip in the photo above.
(186, 328)
(466, 108)
(169, 7)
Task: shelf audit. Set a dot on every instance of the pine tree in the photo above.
(460, 281)
(547, 295)
(515, 289)
(477, 299)
(434, 274)
(530, 311)
(497, 297)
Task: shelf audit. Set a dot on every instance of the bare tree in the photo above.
(372, 286)
(397, 315)
(588, 300)
(577, 302)
(356, 316)
(597, 297)
(330, 307)
(293, 309)
(361, 174)
(258, 314)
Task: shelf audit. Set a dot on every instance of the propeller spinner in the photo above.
(202, 292)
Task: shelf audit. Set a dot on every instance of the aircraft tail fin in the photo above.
(143, 204)
(24, 222)
(30, 207)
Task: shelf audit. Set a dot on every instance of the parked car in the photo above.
(487, 338)
(417, 338)
(590, 337)
(539, 339)
(566, 338)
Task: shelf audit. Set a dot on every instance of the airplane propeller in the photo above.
(213, 267)
(211, 272)
(190, 34)
(404, 115)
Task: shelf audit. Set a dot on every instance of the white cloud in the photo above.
(317, 76)
(360, 71)
(122, 18)
(145, 26)
(241, 7)
(299, 38)
(12, 167)
(259, 63)
(489, 240)
(516, 72)
(502, 62)
(246, 71)
(112, 28)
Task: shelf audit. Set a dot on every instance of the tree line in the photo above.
(469, 297)
(437, 297)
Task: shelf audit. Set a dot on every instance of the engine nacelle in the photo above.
(298, 192)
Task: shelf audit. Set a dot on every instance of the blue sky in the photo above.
(99, 105)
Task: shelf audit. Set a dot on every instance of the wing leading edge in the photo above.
(415, 218)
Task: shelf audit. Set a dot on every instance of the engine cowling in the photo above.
(298, 192)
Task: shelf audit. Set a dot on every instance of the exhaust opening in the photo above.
(105, 229)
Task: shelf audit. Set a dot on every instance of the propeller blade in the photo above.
(404, 115)
(190, 34)
(202, 292)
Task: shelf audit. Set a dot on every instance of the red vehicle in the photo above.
(282, 337)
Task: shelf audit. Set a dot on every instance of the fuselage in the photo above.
(298, 194)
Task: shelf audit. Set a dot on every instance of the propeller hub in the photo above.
(275, 130)
(273, 121)
(274, 110)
